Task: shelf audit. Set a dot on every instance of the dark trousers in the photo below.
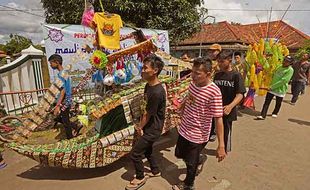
(296, 88)
(227, 133)
(190, 153)
(212, 132)
(65, 120)
(143, 148)
(268, 99)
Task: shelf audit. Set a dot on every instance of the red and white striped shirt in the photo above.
(202, 104)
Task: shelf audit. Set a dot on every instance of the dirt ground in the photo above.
(266, 155)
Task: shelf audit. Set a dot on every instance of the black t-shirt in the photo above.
(155, 97)
(231, 84)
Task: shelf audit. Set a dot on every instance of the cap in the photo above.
(216, 47)
(288, 59)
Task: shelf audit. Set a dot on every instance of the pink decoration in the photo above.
(88, 16)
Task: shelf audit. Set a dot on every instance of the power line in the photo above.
(264, 10)
(34, 10)
(20, 10)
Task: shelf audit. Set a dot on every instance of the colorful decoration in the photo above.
(108, 80)
(262, 60)
(94, 151)
(249, 99)
(88, 14)
(99, 59)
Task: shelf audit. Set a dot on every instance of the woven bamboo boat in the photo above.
(115, 115)
(115, 138)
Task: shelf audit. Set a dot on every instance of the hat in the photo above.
(288, 59)
(216, 47)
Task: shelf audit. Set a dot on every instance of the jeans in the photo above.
(143, 148)
(268, 99)
(296, 88)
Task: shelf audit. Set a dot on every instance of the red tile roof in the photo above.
(224, 32)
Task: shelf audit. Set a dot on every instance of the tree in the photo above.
(305, 49)
(16, 44)
(180, 17)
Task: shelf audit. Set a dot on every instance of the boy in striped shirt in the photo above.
(203, 102)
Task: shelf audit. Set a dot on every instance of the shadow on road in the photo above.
(300, 122)
(248, 111)
(209, 152)
(40, 172)
(51, 173)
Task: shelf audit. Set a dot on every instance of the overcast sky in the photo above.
(298, 19)
(29, 25)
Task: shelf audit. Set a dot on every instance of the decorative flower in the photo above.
(96, 60)
(99, 59)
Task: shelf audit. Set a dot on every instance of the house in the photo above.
(238, 37)
(2, 54)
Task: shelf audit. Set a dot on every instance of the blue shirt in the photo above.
(64, 77)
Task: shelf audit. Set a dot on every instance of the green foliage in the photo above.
(2, 47)
(16, 44)
(180, 17)
(305, 49)
(2, 62)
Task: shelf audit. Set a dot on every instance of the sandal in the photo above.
(150, 174)
(3, 165)
(136, 184)
(182, 186)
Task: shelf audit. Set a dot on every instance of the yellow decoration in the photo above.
(262, 66)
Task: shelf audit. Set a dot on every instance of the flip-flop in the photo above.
(135, 186)
(150, 174)
(3, 165)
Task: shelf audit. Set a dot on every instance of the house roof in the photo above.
(224, 32)
(213, 33)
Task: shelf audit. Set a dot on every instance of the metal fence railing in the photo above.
(18, 103)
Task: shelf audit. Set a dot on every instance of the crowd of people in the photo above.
(207, 112)
(214, 93)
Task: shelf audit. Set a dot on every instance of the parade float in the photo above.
(262, 59)
(116, 113)
(108, 120)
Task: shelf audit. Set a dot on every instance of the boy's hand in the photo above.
(220, 154)
(56, 110)
(139, 130)
(227, 109)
